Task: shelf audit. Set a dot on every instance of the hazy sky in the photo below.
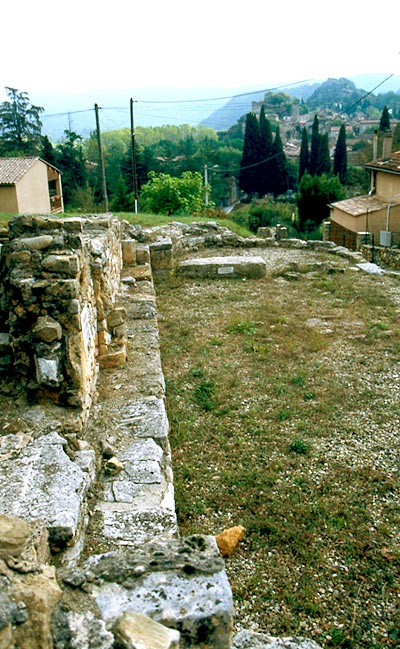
(83, 45)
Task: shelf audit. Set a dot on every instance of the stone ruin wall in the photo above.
(77, 295)
(59, 280)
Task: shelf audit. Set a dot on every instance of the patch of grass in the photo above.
(299, 447)
(293, 434)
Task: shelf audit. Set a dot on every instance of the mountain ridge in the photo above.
(159, 106)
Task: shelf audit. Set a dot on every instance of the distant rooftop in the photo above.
(391, 164)
(360, 204)
(13, 169)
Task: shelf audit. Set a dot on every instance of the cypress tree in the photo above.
(396, 137)
(340, 157)
(314, 146)
(279, 166)
(304, 161)
(249, 174)
(266, 142)
(324, 159)
(384, 124)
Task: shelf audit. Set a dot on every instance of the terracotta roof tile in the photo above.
(12, 169)
(392, 164)
(360, 204)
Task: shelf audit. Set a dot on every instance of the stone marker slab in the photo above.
(223, 267)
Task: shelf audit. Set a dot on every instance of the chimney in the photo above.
(375, 146)
(387, 145)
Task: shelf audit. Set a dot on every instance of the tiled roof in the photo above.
(359, 205)
(392, 164)
(12, 169)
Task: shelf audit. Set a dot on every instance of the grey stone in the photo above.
(80, 630)
(36, 243)
(47, 371)
(181, 584)
(47, 329)
(137, 631)
(42, 482)
(146, 417)
(249, 267)
(62, 264)
(251, 640)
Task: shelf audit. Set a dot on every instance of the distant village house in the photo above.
(29, 186)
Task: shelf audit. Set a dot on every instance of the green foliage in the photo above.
(252, 156)
(304, 154)
(315, 195)
(314, 146)
(20, 125)
(384, 124)
(164, 194)
(323, 160)
(70, 160)
(340, 157)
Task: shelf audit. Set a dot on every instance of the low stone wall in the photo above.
(387, 257)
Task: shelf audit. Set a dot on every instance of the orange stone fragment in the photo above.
(229, 539)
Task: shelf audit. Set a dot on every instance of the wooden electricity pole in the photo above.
(134, 170)
(103, 173)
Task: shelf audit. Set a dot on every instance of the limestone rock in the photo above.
(179, 583)
(47, 329)
(137, 631)
(14, 533)
(251, 640)
(80, 630)
(42, 482)
(229, 539)
(213, 267)
(40, 594)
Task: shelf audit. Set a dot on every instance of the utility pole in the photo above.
(134, 169)
(206, 183)
(103, 173)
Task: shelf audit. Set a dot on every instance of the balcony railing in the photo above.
(56, 203)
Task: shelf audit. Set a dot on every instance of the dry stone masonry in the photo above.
(90, 551)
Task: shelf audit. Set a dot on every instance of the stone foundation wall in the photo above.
(59, 280)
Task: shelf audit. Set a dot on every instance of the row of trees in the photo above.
(170, 162)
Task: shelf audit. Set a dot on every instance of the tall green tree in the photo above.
(279, 166)
(20, 125)
(266, 144)
(314, 146)
(304, 160)
(384, 123)
(340, 157)
(314, 197)
(324, 159)
(250, 165)
(47, 151)
(70, 161)
(396, 137)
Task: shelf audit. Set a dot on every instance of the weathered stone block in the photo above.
(249, 267)
(181, 584)
(42, 482)
(47, 329)
(142, 253)
(128, 248)
(137, 631)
